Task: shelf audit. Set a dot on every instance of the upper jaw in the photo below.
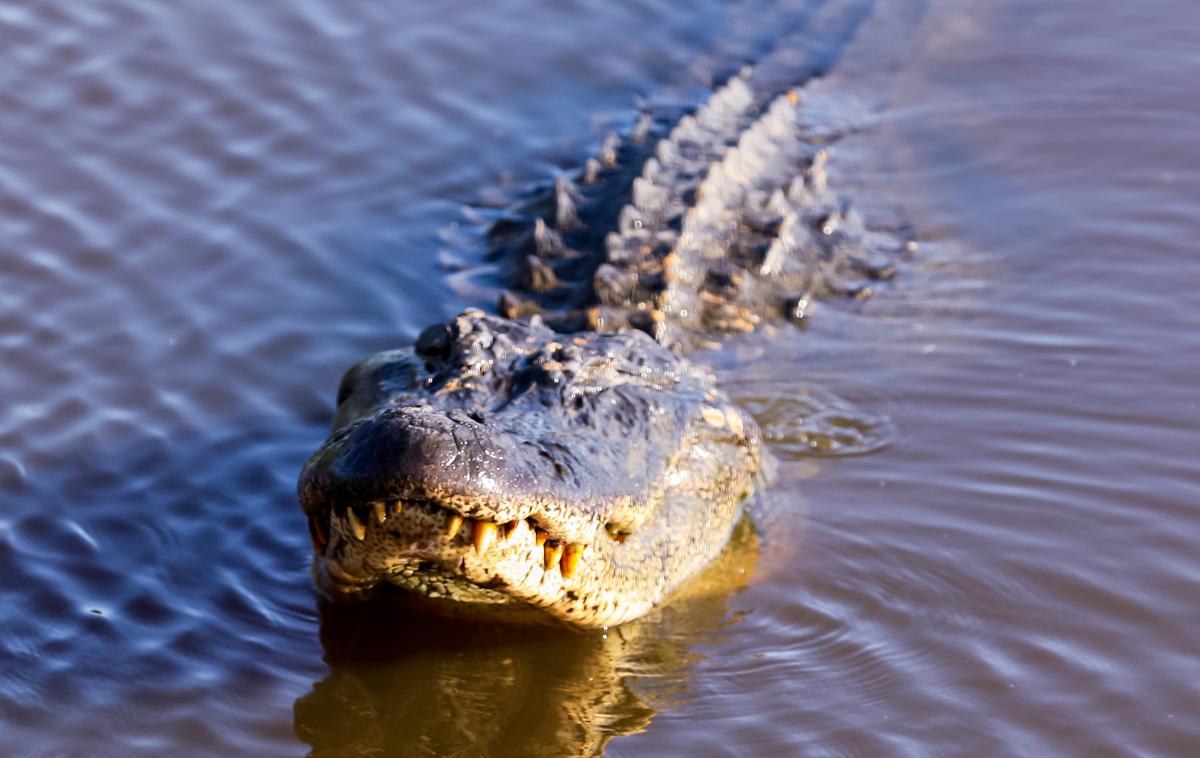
(360, 545)
(480, 470)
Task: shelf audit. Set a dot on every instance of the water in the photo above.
(984, 535)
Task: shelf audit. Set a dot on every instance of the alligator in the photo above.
(565, 459)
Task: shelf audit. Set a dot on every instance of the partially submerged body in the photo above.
(585, 471)
(496, 464)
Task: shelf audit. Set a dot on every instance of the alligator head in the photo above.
(501, 466)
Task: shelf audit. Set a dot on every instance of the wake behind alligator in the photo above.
(565, 460)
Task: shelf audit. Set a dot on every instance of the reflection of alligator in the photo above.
(402, 683)
(586, 470)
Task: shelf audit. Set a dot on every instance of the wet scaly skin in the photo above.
(508, 467)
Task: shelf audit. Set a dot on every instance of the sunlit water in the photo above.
(984, 533)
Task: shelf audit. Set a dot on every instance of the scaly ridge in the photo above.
(728, 221)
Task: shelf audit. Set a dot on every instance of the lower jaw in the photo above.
(429, 577)
(434, 585)
(441, 595)
(418, 580)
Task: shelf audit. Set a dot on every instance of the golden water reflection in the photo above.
(403, 682)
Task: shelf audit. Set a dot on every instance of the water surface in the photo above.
(984, 535)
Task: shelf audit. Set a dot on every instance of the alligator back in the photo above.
(705, 226)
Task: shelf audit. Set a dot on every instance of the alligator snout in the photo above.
(454, 458)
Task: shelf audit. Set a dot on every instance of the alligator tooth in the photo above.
(357, 526)
(484, 535)
(553, 553)
(540, 537)
(570, 560)
(320, 540)
(397, 507)
(380, 512)
(713, 416)
(454, 522)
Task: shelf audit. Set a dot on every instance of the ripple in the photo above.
(204, 217)
(805, 420)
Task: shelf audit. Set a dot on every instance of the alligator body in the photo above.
(567, 458)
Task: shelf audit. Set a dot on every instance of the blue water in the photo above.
(983, 537)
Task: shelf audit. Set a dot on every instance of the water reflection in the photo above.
(403, 682)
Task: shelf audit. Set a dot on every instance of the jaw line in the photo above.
(333, 579)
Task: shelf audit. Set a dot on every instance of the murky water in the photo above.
(984, 537)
